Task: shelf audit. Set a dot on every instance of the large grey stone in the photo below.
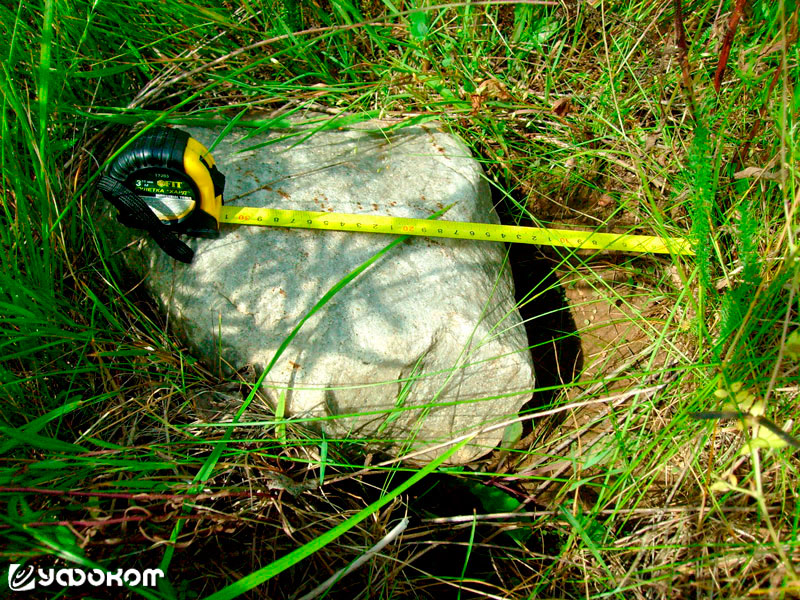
(423, 346)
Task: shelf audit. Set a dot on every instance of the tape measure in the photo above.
(166, 183)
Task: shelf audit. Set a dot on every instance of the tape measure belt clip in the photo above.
(135, 212)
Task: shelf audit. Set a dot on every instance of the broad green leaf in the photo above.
(792, 348)
(495, 500)
(419, 25)
(511, 435)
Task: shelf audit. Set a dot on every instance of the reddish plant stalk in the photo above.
(133, 496)
(683, 56)
(727, 42)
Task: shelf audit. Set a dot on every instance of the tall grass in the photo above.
(579, 116)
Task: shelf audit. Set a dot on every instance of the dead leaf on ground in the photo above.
(563, 106)
(757, 173)
(493, 89)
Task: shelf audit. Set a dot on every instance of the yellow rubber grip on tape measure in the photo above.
(274, 217)
(198, 172)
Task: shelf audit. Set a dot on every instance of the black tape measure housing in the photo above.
(155, 168)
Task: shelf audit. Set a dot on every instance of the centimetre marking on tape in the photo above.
(275, 217)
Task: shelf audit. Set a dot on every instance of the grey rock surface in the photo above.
(424, 346)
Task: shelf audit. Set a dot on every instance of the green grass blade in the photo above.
(256, 578)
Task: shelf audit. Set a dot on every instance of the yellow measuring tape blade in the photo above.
(328, 221)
